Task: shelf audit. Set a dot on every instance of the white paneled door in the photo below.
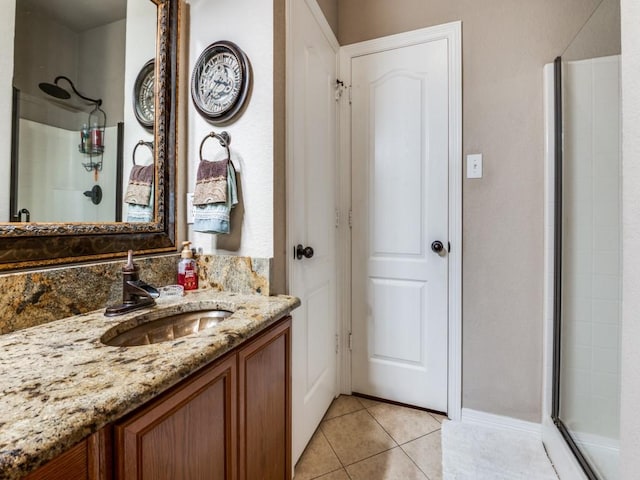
(311, 169)
(400, 157)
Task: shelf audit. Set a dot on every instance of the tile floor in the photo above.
(364, 439)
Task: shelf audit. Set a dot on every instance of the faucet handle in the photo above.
(130, 271)
(135, 293)
(130, 266)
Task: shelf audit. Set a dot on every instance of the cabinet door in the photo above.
(88, 460)
(187, 434)
(264, 374)
(71, 465)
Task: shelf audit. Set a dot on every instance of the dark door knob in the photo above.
(301, 251)
(437, 247)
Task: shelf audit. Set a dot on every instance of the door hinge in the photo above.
(350, 341)
(350, 218)
(337, 218)
(337, 343)
(350, 96)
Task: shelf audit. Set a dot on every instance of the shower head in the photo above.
(54, 91)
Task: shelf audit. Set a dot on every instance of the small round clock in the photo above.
(144, 95)
(220, 82)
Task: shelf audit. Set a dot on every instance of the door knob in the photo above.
(301, 251)
(437, 247)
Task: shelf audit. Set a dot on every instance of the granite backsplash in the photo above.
(36, 297)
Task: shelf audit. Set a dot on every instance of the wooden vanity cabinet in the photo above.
(264, 369)
(231, 420)
(88, 460)
(71, 465)
(186, 434)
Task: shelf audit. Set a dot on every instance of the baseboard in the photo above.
(502, 422)
(561, 457)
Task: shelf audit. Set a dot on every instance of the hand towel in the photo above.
(214, 217)
(139, 186)
(211, 182)
(141, 213)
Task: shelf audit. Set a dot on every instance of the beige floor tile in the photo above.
(337, 475)
(438, 417)
(317, 459)
(426, 452)
(391, 465)
(402, 423)
(342, 405)
(356, 436)
(368, 403)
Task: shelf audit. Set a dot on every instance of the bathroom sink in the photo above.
(164, 329)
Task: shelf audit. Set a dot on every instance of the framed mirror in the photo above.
(95, 136)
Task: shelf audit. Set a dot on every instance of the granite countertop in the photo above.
(59, 383)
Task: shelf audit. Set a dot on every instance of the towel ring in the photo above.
(149, 145)
(223, 138)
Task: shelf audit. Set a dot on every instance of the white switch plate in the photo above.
(190, 208)
(474, 165)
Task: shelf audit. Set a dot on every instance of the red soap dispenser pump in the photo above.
(187, 269)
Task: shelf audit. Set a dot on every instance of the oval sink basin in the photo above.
(166, 329)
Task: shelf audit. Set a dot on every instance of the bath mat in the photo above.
(478, 452)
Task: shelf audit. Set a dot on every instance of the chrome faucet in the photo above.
(135, 293)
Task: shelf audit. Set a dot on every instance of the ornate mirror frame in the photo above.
(27, 245)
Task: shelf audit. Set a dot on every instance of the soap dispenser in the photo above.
(187, 268)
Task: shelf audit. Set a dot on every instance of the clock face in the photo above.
(220, 82)
(144, 95)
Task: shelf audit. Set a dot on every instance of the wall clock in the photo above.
(144, 95)
(220, 82)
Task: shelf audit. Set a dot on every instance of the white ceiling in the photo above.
(79, 15)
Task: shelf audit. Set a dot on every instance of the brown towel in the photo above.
(211, 183)
(139, 187)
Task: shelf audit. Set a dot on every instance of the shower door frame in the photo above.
(557, 273)
(14, 215)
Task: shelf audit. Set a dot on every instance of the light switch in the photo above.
(474, 165)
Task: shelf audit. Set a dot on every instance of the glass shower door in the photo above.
(588, 371)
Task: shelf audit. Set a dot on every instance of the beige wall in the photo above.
(630, 380)
(600, 36)
(505, 45)
(44, 49)
(280, 248)
(106, 45)
(92, 59)
(330, 10)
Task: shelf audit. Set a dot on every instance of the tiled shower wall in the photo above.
(53, 180)
(590, 389)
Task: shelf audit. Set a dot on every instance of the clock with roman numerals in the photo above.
(220, 82)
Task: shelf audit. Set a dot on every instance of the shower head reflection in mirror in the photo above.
(55, 90)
